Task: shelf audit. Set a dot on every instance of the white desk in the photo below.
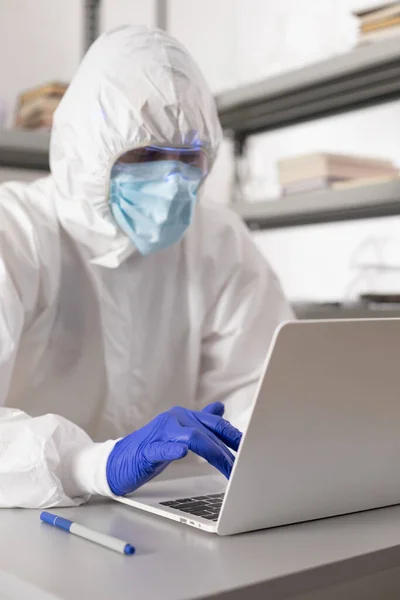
(356, 556)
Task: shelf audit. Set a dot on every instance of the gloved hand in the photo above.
(143, 454)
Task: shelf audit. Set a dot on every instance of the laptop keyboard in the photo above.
(207, 507)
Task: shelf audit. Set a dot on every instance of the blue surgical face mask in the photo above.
(153, 202)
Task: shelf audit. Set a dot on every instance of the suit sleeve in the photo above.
(44, 461)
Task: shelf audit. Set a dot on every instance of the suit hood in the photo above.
(136, 86)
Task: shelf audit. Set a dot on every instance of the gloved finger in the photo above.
(215, 408)
(191, 418)
(166, 451)
(216, 454)
(226, 432)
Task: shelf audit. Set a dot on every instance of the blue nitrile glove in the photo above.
(143, 454)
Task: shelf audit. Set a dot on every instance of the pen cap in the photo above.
(56, 521)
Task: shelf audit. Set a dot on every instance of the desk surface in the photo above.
(175, 561)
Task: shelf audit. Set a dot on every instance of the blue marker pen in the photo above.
(102, 539)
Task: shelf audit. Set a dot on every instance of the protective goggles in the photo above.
(194, 157)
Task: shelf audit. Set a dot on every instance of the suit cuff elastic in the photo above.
(87, 466)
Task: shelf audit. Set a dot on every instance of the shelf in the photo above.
(351, 311)
(24, 149)
(366, 76)
(380, 200)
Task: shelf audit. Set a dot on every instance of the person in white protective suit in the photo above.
(111, 312)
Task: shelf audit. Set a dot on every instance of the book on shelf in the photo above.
(355, 183)
(52, 89)
(383, 18)
(314, 184)
(384, 24)
(38, 113)
(35, 108)
(378, 13)
(332, 166)
(331, 183)
(378, 35)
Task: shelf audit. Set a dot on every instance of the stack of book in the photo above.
(36, 107)
(379, 23)
(322, 171)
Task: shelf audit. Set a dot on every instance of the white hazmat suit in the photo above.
(95, 339)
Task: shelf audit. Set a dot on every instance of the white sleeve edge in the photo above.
(87, 468)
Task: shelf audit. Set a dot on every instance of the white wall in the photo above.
(208, 30)
(39, 41)
(123, 12)
(237, 41)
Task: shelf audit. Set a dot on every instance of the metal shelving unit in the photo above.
(91, 22)
(323, 207)
(364, 77)
(24, 149)
(350, 311)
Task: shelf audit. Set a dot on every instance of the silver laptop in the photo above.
(323, 438)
